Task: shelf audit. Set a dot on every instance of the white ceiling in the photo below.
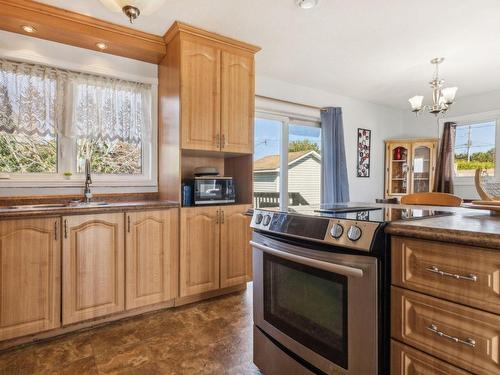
(378, 50)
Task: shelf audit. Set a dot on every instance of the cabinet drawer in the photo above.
(409, 361)
(470, 276)
(457, 334)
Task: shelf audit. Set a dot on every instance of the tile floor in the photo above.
(211, 337)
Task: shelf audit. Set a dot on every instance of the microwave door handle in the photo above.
(326, 266)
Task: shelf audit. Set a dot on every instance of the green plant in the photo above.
(303, 145)
(463, 165)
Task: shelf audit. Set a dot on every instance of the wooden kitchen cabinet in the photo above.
(93, 266)
(199, 250)
(208, 82)
(152, 245)
(238, 101)
(235, 235)
(30, 265)
(200, 96)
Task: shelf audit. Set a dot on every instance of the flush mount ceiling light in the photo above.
(442, 97)
(28, 29)
(133, 8)
(307, 4)
(101, 45)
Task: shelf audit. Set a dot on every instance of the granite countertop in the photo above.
(6, 213)
(465, 226)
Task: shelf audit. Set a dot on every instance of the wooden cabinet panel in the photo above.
(200, 96)
(456, 334)
(30, 264)
(238, 101)
(151, 257)
(235, 238)
(416, 265)
(199, 250)
(93, 266)
(408, 361)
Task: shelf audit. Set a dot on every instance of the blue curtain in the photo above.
(335, 185)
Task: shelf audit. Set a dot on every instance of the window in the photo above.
(475, 147)
(287, 162)
(52, 120)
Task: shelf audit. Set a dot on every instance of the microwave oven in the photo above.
(211, 190)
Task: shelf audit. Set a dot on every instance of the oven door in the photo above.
(321, 306)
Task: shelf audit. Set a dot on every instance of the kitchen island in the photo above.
(445, 293)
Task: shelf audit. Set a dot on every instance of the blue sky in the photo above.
(268, 133)
(482, 136)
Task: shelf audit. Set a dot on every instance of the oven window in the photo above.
(309, 305)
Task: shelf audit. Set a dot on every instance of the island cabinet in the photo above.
(209, 82)
(445, 302)
(93, 255)
(151, 251)
(213, 249)
(30, 261)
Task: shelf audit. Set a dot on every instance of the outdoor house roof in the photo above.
(271, 163)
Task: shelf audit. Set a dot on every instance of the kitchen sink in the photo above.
(56, 205)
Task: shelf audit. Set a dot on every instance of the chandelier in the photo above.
(133, 8)
(442, 97)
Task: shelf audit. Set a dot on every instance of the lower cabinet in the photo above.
(30, 288)
(151, 244)
(214, 248)
(235, 238)
(93, 266)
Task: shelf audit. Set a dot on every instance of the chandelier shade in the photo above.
(416, 102)
(448, 94)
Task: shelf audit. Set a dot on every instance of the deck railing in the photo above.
(272, 199)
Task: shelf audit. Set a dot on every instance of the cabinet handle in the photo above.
(217, 217)
(470, 277)
(128, 223)
(65, 228)
(468, 341)
(55, 230)
(222, 216)
(223, 142)
(217, 139)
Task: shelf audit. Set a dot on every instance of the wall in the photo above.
(384, 122)
(24, 48)
(426, 125)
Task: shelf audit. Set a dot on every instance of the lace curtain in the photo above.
(42, 100)
(30, 99)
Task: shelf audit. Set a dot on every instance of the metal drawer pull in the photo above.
(468, 341)
(470, 277)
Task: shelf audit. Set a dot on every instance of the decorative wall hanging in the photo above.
(364, 152)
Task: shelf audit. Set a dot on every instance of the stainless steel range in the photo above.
(320, 289)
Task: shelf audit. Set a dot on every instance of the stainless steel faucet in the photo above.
(87, 194)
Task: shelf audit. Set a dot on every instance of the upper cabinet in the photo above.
(207, 91)
(238, 102)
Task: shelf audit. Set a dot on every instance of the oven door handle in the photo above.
(326, 266)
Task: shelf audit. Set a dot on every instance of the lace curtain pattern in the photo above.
(41, 100)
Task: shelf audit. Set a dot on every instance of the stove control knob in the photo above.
(354, 233)
(258, 218)
(337, 231)
(267, 220)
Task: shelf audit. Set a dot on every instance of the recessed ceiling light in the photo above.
(307, 4)
(28, 29)
(101, 45)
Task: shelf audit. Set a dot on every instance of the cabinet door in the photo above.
(199, 250)
(235, 238)
(398, 167)
(30, 264)
(152, 248)
(422, 167)
(93, 266)
(237, 108)
(200, 96)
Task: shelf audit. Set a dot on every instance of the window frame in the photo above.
(286, 119)
(475, 118)
(67, 147)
